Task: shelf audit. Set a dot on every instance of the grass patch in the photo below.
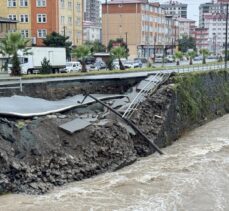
(196, 98)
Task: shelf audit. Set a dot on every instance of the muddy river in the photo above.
(192, 175)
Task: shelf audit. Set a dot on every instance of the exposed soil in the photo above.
(35, 155)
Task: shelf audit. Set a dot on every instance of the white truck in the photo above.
(32, 63)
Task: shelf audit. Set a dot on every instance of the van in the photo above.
(158, 58)
(72, 67)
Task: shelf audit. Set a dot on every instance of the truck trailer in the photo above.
(32, 63)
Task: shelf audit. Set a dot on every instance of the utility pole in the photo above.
(226, 40)
(107, 20)
(126, 38)
(64, 31)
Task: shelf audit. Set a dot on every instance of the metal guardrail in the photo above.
(5, 83)
(150, 87)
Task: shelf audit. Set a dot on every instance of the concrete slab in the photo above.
(22, 106)
(75, 125)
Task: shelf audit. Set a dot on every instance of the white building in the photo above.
(186, 27)
(175, 8)
(216, 25)
(91, 31)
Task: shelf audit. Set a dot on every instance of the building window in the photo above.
(69, 20)
(23, 3)
(78, 21)
(41, 33)
(78, 7)
(41, 18)
(69, 4)
(62, 3)
(12, 3)
(41, 3)
(13, 17)
(62, 19)
(25, 33)
(24, 18)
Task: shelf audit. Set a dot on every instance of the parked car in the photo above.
(142, 62)
(72, 67)
(198, 58)
(100, 65)
(131, 64)
(158, 58)
(169, 59)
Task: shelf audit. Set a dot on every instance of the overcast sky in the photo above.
(193, 7)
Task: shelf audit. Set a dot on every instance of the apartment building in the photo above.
(144, 25)
(201, 37)
(175, 8)
(211, 8)
(18, 11)
(186, 27)
(92, 11)
(71, 20)
(37, 18)
(92, 32)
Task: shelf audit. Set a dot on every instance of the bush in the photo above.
(45, 66)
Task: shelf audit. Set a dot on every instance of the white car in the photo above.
(72, 67)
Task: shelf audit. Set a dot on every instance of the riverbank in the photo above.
(35, 155)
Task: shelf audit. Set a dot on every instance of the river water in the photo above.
(192, 175)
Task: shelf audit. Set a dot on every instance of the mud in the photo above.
(35, 155)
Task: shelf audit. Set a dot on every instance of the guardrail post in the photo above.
(20, 84)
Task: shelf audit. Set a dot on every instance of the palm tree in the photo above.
(118, 53)
(82, 52)
(191, 55)
(178, 56)
(10, 45)
(204, 53)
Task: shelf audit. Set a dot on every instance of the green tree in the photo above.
(81, 53)
(204, 53)
(178, 56)
(57, 40)
(10, 45)
(191, 55)
(96, 46)
(45, 66)
(118, 53)
(186, 43)
(119, 42)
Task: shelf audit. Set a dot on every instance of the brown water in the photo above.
(192, 175)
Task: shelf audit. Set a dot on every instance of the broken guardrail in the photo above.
(130, 123)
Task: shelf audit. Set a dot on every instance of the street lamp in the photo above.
(226, 38)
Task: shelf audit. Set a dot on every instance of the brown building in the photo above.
(201, 37)
(44, 20)
(143, 25)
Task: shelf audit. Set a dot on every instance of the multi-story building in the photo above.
(92, 11)
(214, 7)
(216, 25)
(176, 9)
(37, 18)
(143, 25)
(201, 37)
(91, 31)
(18, 11)
(71, 20)
(186, 27)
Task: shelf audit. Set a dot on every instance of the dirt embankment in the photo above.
(35, 155)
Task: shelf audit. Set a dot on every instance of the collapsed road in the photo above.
(43, 151)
